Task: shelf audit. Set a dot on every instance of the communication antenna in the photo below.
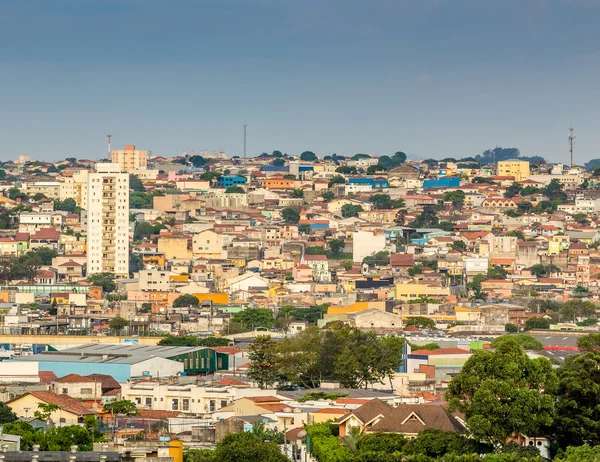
(571, 139)
(245, 141)
(109, 151)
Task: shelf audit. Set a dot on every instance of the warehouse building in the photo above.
(124, 361)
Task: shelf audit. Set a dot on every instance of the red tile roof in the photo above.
(65, 402)
(74, 378)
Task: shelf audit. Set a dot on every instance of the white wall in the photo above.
(365, 243)
(20, 372)
(161, 366)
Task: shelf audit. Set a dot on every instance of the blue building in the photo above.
(375, 183)
(231, 180)
(446, 182)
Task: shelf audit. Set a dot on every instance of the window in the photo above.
(186, 404)
(138, 400)
(65, 391)
(149, 402)
(223, 403)
(175, 405)
(86, 391)
(212, 405)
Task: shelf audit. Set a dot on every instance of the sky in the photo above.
(432, 78)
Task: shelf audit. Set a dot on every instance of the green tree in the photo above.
(554, 191)
(337, 179)
(235, 190)
(308, 156)
(384, 201)
(252, 318)
(578, 405)
(289, 176)
(459, 245)
(351, 210)
(46, 254)
(297, 194)
(336, 245)
(6, 414)
(498, 391)
(45, 410)
(510, 328)
(105, 280)
(29, 435)
(263, 368)
(181, 340)
(420, 322)
(576, 308)
(513, 190)
(327, 196)
(427, 218)
(497, 272)
(199, 455)
(589, 342)
(278, 163)
(583, 453)
(135, 183)
(186, 300)
(117, 324)
(140, 200)
(213, 341)
(61, 438)
(290, 215)
(525, 341)
(415, 269)
(438, 443)
(537, 323)
(246, 447)
(68, 205)
(542, 271)
(381, 258)
(366, 359)
(15, 193)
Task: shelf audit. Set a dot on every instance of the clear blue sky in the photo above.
(434, 78)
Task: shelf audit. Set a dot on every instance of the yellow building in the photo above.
(558, 244)
(174, 247)
(71, 411)
(519, 169)
(407, 292)
(467, 315)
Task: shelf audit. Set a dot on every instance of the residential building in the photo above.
(130, 159)
(108, 221)
(518, 169)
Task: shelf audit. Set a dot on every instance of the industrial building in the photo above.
(124, 361)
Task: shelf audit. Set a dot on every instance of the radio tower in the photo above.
(571, 139)
(245, 141)
(109, 151)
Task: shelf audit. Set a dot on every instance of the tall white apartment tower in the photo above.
(108, 221)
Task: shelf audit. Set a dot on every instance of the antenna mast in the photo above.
(571, 139)
(245, 141)
(109, 151)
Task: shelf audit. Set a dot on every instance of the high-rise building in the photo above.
(130, 159)
(73, 184)
(108, 220)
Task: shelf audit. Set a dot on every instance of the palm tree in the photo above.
(350, 440)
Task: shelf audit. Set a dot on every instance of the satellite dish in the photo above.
(302, 434)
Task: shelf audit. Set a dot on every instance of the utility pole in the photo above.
(571, 139)
(245, 140)
(109, 151)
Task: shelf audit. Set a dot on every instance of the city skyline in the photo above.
(434, 79)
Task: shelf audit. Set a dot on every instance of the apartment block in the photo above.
(108, 220)
(130, 159)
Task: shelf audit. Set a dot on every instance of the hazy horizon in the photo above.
(434, 78)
